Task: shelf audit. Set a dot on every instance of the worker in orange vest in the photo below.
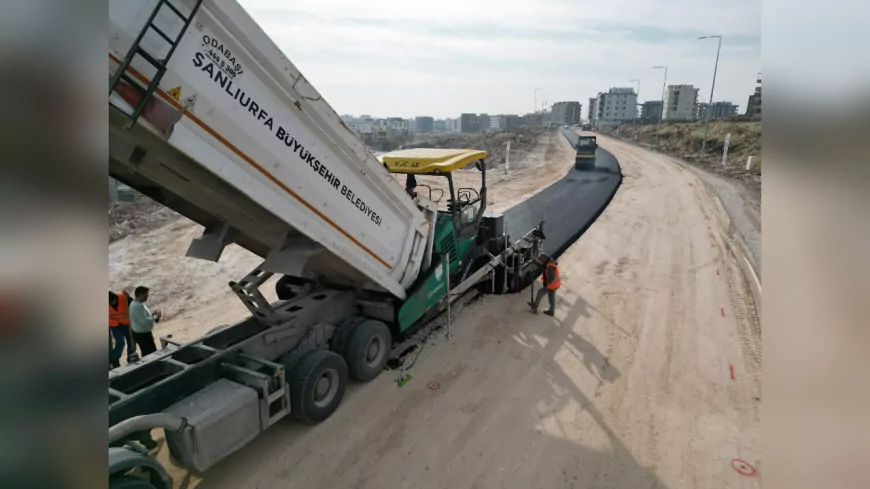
(550, 280)
(119, 328)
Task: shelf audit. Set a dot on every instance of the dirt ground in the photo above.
(740, 196)
(647, 377)
(137, 217)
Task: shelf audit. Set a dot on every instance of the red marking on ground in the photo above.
(722, 310)
(433, 386)
(731, 368)
(743, 468)
(717, 273)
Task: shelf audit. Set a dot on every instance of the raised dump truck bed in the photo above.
(235, 138)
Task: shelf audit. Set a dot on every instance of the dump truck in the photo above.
(208, 117)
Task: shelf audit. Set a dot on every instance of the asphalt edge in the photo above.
(573, 239)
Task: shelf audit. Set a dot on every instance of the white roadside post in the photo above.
(748, 163)
(725, 149)
(507, 157)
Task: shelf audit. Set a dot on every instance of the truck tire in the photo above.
(129, 482)
(317, 385)
(368, 350)
(341, 336)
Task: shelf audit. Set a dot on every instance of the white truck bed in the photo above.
(258, 156)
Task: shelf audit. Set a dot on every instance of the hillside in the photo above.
(684, 140)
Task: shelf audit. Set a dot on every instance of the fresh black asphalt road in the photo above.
(568, 206)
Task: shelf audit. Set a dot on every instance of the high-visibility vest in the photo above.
(556, 283)
(121, 315)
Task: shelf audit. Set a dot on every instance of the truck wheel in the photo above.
(318, 385)
(129, 482)
(341, 336)
(368, 350)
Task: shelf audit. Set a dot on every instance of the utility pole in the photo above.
(712, 86)
(535, 107)
(662, 112)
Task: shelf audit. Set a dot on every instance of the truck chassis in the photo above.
(215, 394)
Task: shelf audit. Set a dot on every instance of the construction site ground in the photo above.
(647, 376)
(738, 189)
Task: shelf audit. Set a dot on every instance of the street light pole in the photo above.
(637, 98)
(535, 108)
(712, 86)
(662, 112)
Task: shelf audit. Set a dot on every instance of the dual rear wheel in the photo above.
(318, 381)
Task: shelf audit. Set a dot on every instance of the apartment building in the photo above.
(592, 109)
(424, 124)
(719, 110)
(469, 123)
(650, 111)
(616, 106)
(680, 101)
(566, 113)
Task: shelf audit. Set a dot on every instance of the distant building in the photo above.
(592, 109)
(512, 121)
(399, 124)
(616, 106)
(719, 110)
(377, 131)
(424, 124)
(439, 125)
(680, 101)
(469, 123)
(363, 126)
(566, 113)
(484, 122)
(753, 106)
(650, 111)
(504, 122)
(451, 125)
(496, 122)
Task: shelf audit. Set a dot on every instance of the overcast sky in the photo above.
(440, 58)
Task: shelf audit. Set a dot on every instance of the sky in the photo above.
(440, 58)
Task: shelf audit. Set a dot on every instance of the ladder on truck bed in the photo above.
(158, 64)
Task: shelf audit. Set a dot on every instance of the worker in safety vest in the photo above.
(119, 328)
(550, 280)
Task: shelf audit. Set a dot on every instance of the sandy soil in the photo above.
(194, 295)
(629, 386)
(740, 197)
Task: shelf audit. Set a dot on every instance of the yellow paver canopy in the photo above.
(430, 160)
